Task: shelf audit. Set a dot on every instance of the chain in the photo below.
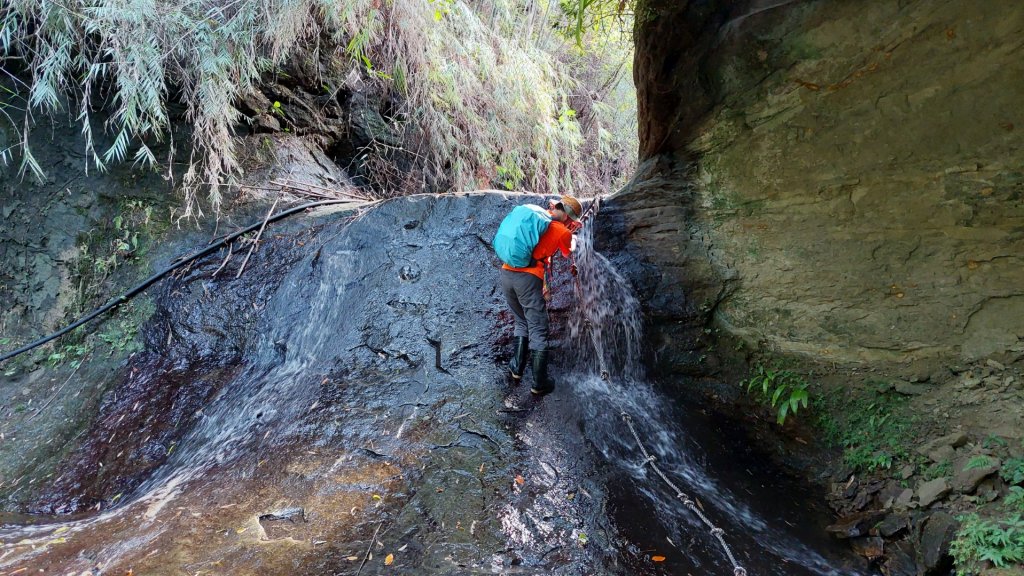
(688, 502)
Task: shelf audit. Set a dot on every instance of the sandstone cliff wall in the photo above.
(846, 179)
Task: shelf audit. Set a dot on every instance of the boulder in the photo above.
(954, 440)
(936, 536)
(870, 547)
(905, 499)
(942, 454)
(856, 525)
(900, 560)
(908, 389)
(891, 525)
(966, 481)
(929, 492)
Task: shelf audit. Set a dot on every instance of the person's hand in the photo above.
(572, 244)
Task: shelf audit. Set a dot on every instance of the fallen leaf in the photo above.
(240, 530)
(389, 559)
(60, 530)
(658, 558)
(352, 558)
(520, 480)
(377, 497)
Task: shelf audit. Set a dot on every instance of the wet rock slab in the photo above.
(363, 386)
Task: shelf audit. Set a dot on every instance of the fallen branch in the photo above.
(300, 185)
(224, 263)
(256, 241)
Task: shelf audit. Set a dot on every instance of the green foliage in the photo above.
(872, 428)
(938, 470)
(106, 247)
(120, 336)
(72, 353)
(999, 541)
(994, 536)
(1012, 471)
(582, 16)
(1014, 501)
(783, 390)
(993, 441)
(481, 80)
(978, 462)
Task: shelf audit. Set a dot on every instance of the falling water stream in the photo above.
(770, 521)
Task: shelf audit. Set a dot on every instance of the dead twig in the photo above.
(370, 547)
(256, 241)
(308, 188)
(224, 263)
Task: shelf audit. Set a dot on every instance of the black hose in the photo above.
(152, 279)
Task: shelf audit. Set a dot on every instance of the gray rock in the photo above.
(966, 480)
(906, 472)
(955, 440)
(970, 380)
(993, 364)
(942, 454)
(891, 525)
(888, 495)
(929, 492)
(940, 376)
(939, 531)
(908, 389)
(900, 560)
(905, 499)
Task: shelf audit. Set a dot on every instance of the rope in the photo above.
(152, 279)
(718, 533)
(648, 458)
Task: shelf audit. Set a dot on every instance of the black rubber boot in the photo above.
(518, 363)
(541, 383)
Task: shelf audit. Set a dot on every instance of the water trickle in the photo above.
(606, 341)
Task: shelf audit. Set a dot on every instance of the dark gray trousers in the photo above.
(524, 293)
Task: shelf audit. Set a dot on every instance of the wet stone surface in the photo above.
(326, 380)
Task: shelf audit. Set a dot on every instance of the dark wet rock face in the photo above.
(353, 372)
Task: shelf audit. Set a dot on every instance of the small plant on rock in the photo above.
(784, 390)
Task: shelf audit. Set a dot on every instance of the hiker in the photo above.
(526, 240)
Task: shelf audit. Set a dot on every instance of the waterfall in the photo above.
(606, 341)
